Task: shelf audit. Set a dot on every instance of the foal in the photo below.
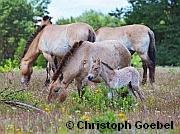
(115, 78)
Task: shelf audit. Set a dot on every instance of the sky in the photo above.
(74, 8)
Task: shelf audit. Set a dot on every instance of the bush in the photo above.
(8, 65)
(95, 19)
(136, 60)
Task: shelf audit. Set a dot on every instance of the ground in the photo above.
(163, 105)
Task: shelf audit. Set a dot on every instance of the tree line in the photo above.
(162, 16)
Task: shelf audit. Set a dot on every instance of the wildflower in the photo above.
(19, 131)
(77, 111)
(98, 90)
(85, 118)
(30, 132)
(11, 126)
(122, 116)
(47, 109)
(63, 109)
(87, 113)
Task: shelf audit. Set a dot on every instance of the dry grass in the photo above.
(163, 105)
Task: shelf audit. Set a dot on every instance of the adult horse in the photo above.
(76, 63)
(53, 40)
(137, 38)
(46, 20)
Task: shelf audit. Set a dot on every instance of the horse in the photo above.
(46, 20)
(76, 63)
(137, 38)
(116, 78)
(53, 41)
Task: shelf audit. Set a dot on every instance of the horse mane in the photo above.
(107, 65)
(31, 38)
(66, 58)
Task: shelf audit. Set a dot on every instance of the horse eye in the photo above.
(96, 68)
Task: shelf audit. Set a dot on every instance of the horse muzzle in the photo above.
(90, 77)
(24, 81)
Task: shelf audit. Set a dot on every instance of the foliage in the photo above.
(162, 16)
(136, 60)
(95, 19)
(19, 96)
(22, 96)
(8, 65)
(107, 116)
(41, 62)
(17, 23)
(98, 101)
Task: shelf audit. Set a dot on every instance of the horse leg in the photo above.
(131, 89)
(144, 80)
(48, 70)
(50, 65)
(78, 84)
(141, 95)
(151, 73)
(53, 67)
(146, 64)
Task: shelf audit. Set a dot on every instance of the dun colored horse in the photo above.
(137, 38)
(53, 40)
(116, 78)
(76, 63)
(46, 20)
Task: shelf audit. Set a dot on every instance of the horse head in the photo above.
(26, 72)
(95, 69)
(46, 20)
(57, 90)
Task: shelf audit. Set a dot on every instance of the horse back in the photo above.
(111, 51)
(132, 36)
(58, 39)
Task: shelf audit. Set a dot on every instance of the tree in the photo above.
(95, 19)
(162, 17)
(16, 23)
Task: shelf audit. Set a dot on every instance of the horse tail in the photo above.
(91, 36)
(152, 56)
(152, 48)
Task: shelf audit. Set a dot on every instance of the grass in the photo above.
(162, 104)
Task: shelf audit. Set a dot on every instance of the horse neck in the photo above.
(106, 74)
(71, 70)
(33, 51)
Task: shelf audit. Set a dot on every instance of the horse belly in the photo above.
(57, 49)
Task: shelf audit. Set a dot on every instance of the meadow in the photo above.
(162, 105)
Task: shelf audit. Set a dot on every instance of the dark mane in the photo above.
(107, 65)
(31, 38)
(66, 58)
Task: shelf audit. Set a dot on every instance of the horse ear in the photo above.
(93, 59)
(98, 60)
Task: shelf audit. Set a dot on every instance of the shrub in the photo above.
(8, 65)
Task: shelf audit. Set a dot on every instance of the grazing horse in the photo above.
(116, 78)
(76, 63)
(46, 20)
(53, 40)
(137, 38)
